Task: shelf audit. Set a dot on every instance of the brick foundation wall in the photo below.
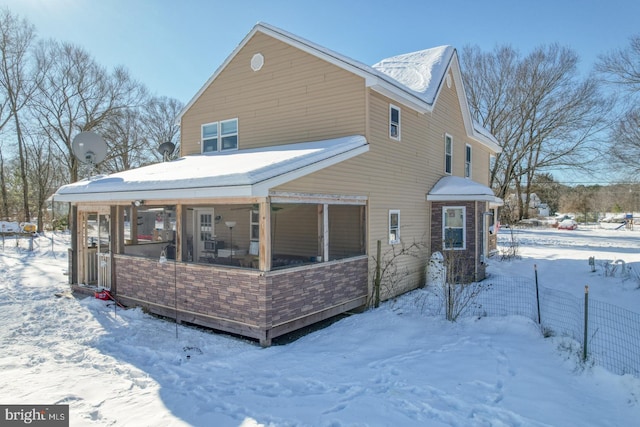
(303, 292)
(474, 270)
(247, 302)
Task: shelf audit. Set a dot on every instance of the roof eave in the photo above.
(393, 92)
(257, 189)
(465, 198)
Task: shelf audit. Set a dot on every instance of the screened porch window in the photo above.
(150, 230)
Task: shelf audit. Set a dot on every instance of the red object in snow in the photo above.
(103, 295)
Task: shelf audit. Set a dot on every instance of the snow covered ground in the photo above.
(394, 366)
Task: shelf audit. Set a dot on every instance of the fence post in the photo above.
(586, 321)
(378, 278)
(535, 268)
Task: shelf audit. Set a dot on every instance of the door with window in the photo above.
(204, 235)
(95, 250)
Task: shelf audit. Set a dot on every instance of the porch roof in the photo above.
(453, 188)
(241, 173)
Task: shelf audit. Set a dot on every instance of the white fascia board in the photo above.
(466, 112)
(486, 142)
(178, 194)
(465, 198)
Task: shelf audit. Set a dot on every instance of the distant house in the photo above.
(295, 161)
(536, 206)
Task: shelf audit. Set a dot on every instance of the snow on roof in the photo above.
(237, 173)
(422, 72)
(450, 188)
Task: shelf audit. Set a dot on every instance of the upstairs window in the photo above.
(210, 137)
(220, 136)
(467, 162)
(394, 227)
(229, 134)
(448, 154)
(394, 122)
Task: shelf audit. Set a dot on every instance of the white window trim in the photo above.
(253, 223)
(447, 136)
(219, 135)
(391, 108)
(202, 136)
(393, 212)
(468, 161)
(237, 134)
(464, 228)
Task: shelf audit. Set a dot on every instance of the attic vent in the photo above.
(449, 81)
(257, 62)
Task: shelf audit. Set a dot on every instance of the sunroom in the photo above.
(210, 240)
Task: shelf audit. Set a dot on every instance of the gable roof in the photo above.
(413, 79)
(241, 173)
(420, 72)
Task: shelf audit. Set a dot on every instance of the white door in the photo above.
(204, 234)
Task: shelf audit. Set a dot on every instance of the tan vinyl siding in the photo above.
(294, 227)
(395, 175)
(447, 118)
(295, 97)
(399, 174)
(345, 231)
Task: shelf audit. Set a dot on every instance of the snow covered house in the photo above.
(295, 161)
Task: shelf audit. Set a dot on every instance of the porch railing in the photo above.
(104, 270)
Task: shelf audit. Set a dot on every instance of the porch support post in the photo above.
(323, 231)
(320, 222)
(134, 224)
(178, 233)
(117, 223)
(73, 219)
(265, 235)
(114, 243)
(81, 237)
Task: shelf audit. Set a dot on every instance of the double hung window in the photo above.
(453, 227)
(394, 227)
(220, 136)
(448, 154)
(394, 122)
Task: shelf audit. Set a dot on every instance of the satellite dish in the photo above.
(89, 148)
(166, 149)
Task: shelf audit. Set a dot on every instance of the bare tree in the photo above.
(620, 69)
(17, 84)
(160, 116)
(3, 188)
(625, 147)
(544, 116)
(127, 147)
(44, 175)
(79, 95)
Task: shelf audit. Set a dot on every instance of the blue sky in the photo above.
(173, 46)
